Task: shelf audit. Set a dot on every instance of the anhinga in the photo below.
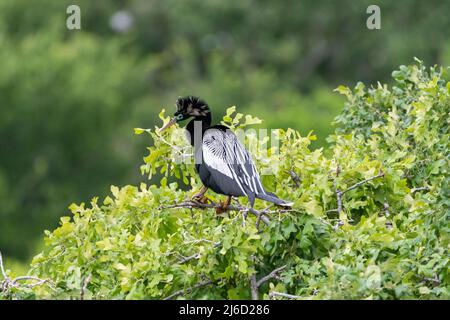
(222, 162)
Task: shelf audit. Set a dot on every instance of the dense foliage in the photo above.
(370, 219)
(68, 98)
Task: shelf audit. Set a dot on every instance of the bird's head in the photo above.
(188, 107)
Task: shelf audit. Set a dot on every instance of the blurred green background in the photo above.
(69, 100)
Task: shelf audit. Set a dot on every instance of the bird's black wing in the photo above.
(223, 152)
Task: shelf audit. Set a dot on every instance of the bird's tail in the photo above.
(269, 196)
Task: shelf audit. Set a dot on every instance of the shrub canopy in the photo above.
(370, 219)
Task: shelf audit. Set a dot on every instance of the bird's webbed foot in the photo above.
(200, 196)
(223, 205)
(201, 199)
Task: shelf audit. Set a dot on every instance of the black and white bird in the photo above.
(222, 162)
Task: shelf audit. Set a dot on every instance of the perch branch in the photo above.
(199, 205)
(188, 290)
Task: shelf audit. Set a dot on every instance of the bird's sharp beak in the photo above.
(169, 124)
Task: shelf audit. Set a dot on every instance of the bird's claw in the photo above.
(201, 198)
(223, 206)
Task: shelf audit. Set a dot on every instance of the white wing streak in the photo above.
(223, 152)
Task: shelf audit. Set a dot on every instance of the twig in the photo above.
(174, 147)
(273, 274)
(1, 267)
(39, 281)
(84, 286)
(186, 259)
(196, 255)
(295, 178)
(434, 280)
(420, 189)
(188, 290)
(338, 192)
(5, 283)
(386, 209)
(282, 294)
(8, 283)
(356, 185)
(199, 205)
(254, 287)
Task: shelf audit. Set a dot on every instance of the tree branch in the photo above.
(188, 290)
(340, 193)
(8, 283)
(282, 294)
(356, 185)
(254, 287)
(273, 274)
(2, 268)
(295, 178)
(186, 259)
(413, 190)
(194, 204)
(84, 286)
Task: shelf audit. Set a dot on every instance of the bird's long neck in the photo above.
(197, 126)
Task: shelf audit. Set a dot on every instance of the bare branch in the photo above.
(186, 259)
(195, 255)
(420, 189)
(295, 178)
(434, 280)
(254, 287)
(386, 209)
(340, 193)
(271, 275)
(2, 269)
(188, 290)
(8, 283)
(199, 205)
(84, 285)
(356, 185)
(282, 294)
(22, 278)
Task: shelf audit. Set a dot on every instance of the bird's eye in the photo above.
(180, 117)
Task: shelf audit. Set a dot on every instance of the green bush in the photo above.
(370, 218)
(61, 119)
